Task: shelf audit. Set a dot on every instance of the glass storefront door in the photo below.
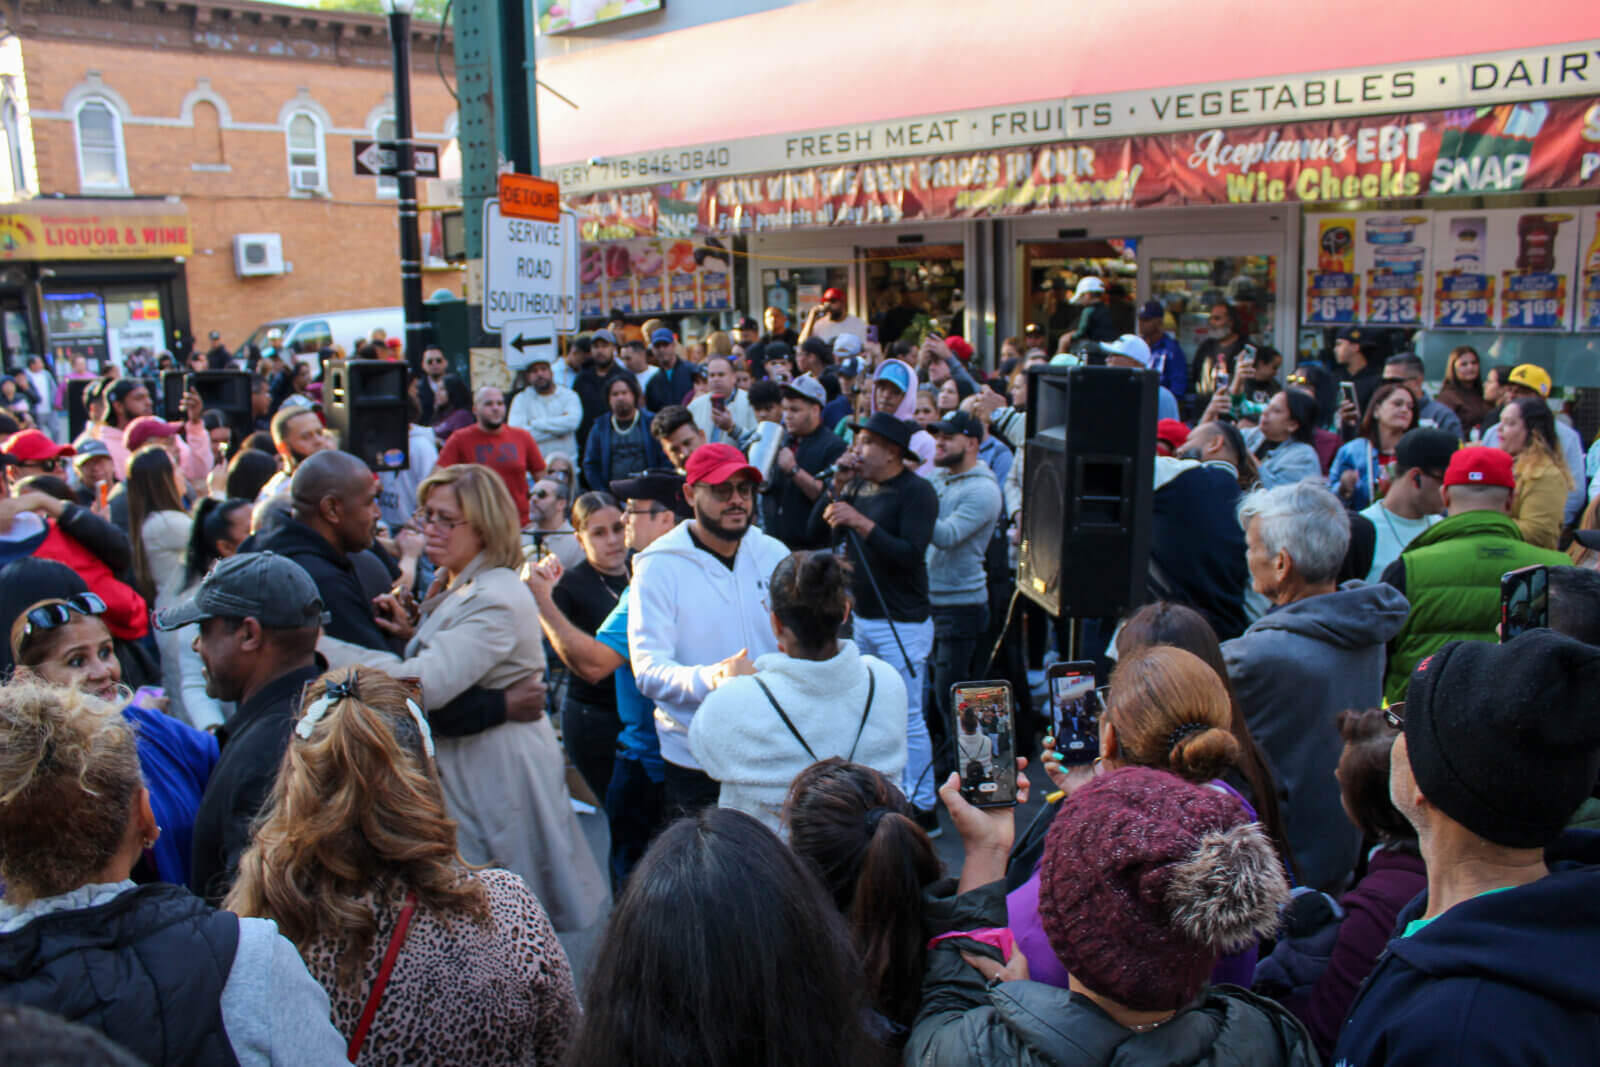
(1191, 274)
(912, 289)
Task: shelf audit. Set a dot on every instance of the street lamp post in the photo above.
(399, 12)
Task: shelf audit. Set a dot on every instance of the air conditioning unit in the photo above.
(305, 179)
(256, 254)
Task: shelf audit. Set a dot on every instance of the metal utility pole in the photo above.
(399, 12)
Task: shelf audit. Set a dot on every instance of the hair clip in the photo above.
(1184, 732)
(422, 726)
(332, 693)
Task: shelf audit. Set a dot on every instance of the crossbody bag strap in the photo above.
(375, 998)
(785, 717)
(872, 687)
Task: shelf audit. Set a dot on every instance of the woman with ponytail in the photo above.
(859, 834)
(818, 696)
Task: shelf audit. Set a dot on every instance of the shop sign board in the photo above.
(530, 270)
(1455, 83)
(69, 234)
(1508, 148)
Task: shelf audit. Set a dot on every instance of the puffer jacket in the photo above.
(963, 1022)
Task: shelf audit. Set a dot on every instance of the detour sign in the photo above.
(524, 197)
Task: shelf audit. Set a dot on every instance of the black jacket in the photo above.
(350, 610)
(591, 385)
(668, 387)
(146, 969)
(252, 747)
(904, 509)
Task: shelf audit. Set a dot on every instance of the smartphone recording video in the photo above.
(1524, 601)
(1074, 711)
(986, 751)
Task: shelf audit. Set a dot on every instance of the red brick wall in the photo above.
(344, 246)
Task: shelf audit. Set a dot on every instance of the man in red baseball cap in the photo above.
(697, 612)
(32, 452)
(830, 318)
(1451, 571)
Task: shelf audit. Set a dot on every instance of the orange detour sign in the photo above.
(525, 197)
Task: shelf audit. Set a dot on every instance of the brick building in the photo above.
(155, 149)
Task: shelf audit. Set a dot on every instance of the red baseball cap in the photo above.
(833, 294)
(715, 463)
(392, 342)
(1172, 433)
(34, 446)
(144, 429)
(1480, 465)
(959, 348)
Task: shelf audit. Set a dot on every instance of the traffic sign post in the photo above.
(524, 340)
(530, 270)
(381, 159)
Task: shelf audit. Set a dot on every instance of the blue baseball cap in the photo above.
(662, 336)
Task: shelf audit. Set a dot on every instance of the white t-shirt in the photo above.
(1394, 534)
(827, 329)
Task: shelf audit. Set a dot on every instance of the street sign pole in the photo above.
(406, 183)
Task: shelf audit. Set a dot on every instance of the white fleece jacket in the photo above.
(740, 740)
(686, 613)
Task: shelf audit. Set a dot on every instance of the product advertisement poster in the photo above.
(1510, 269)
(1589, 270)
(655, 276)
(1370, 267)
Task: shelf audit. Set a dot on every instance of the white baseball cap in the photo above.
(1089, 284)
(1131, 346)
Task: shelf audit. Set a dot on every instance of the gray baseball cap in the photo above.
(272, 589)
(806, 388)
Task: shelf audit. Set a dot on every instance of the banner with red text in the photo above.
(1507, 148)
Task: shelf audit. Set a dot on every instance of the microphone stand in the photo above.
(872, 579)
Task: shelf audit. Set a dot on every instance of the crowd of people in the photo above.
(292, 752)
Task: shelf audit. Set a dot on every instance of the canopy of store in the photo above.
(113, 228)
(827, 62)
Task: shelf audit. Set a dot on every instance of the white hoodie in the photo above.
(686, 613)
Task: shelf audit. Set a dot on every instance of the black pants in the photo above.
(634, 809)
(687, 791)
(589, 732)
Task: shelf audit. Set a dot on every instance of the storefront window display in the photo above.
(1190, 287)
(913, 290)
(1053, 269)
(796, 290)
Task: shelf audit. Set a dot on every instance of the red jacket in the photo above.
(127, 616)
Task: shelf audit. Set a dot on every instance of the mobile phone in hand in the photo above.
(984, 728)
(1347, 394)
(719, 404)
(1074, 711)
(1524, 601)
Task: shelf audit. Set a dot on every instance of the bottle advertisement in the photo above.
(1507, 269)
(1369, 268)
(1589, 271)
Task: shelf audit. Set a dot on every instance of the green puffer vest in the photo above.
(1453, 571)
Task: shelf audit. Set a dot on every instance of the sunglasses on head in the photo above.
(60, 612)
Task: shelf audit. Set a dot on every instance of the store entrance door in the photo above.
(1191, 273)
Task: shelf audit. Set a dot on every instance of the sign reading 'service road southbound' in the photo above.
(530, 269)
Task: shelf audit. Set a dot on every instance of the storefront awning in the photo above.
(62, 229)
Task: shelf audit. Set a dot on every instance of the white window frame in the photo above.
(388, 188)
(84, 184)
(321, 150)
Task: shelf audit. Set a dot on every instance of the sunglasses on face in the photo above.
(50, 466)
(542, 494)
(51, 616)
(728, 490)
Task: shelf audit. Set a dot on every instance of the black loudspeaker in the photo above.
(227, 391)
(1088, 475)
(365, 402)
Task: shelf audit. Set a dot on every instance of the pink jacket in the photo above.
(194, 448)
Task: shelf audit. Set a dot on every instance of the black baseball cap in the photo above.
(747, 323)
(664, 487)
(1427, 449)
(1352, 334)
(957, 422)
(272, 589)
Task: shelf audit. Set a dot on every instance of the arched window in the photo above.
(11, 120)
(101, 162)
(308, 165)
(383, 130)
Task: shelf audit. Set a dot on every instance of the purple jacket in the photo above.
(1393, 880)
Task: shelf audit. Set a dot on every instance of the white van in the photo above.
(304, 335)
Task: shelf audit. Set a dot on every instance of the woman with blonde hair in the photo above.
(357, 858)
(1528, 432)
(155, 969)
(1166, 710)
(479, 626)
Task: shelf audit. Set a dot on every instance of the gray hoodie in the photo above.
(1293, 670)
(969, 504)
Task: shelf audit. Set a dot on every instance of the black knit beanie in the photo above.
(1505, 739)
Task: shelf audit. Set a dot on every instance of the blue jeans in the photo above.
(634, 808)
(874, 638)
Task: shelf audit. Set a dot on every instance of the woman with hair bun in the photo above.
(357, 857)
(154, 968)
(1166, 709)
(817, 696)
(861, 836)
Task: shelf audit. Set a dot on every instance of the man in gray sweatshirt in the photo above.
(969, 506)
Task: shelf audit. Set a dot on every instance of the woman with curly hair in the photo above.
(357, 858)
(1528, 432)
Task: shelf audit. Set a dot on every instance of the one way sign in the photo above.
(381, 159)
(524, 340)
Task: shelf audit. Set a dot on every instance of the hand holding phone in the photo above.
(1074, 711)
(984, 729)
(1347, 397)
(1524, 601)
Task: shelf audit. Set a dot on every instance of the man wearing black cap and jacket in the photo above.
(1495, 962)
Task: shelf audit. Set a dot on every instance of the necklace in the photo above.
(617, 426)
(1390, 520)
(1145, 1028)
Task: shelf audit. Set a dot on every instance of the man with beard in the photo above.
(510, 452)
(550, 412)
(697, 611)
(884, 515)
(298, 435)
(620, 446)
(829, 319)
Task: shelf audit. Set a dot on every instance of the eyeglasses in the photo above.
(47, 465)
(728, 490)
(50, 616)
(1394, 715)
(643, 513)
(542, 494)
(423, 518)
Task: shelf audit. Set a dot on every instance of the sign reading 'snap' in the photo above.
(529, 269)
